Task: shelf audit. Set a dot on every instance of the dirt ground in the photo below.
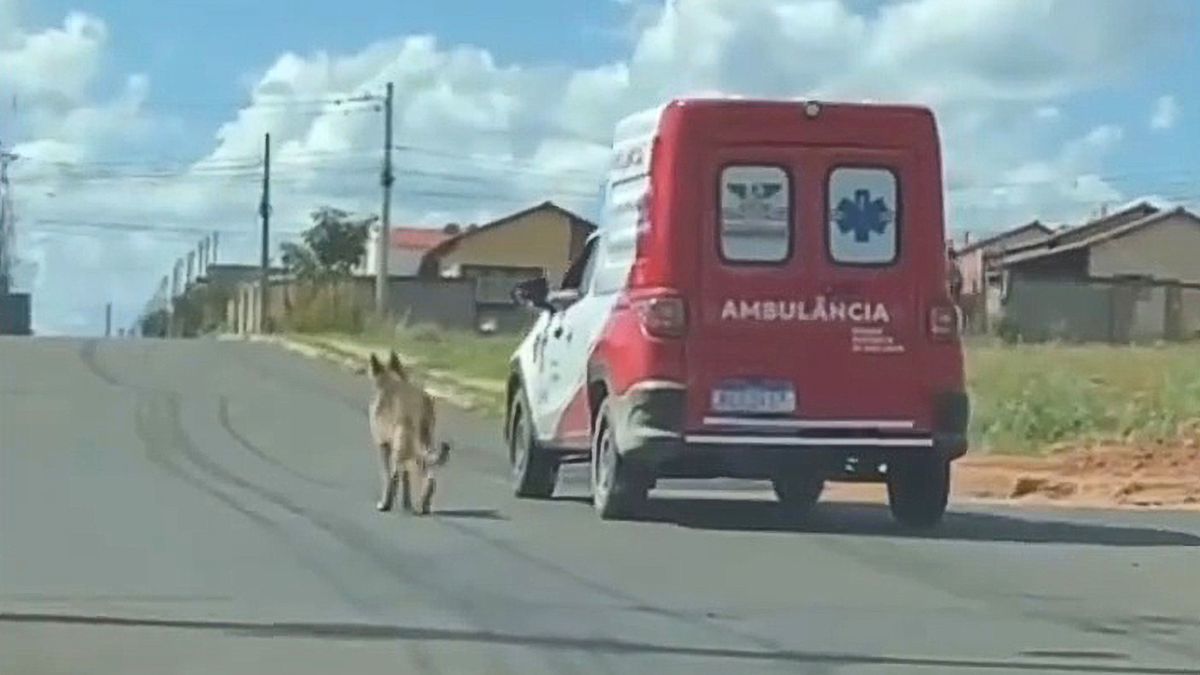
(1101, 477)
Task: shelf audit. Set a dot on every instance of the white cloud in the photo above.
(1165, 114)
(482, 137)
(55, 64)
(1061, 188)
(1048, 112)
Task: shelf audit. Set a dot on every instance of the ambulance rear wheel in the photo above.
(918, 491)
(619, 488)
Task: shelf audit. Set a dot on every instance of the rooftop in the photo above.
(417, 238)
(1111, 227)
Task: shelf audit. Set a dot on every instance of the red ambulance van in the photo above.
(765, 298)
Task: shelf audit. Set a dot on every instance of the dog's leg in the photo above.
(404, 464)
(406, 489)
(388, 477)
(429, 485)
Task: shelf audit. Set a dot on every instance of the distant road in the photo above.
(207, 507)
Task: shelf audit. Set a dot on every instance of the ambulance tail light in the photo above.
(943, 322)
(662, 312)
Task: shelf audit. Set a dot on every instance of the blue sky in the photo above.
(200, 56)
(1045, 108)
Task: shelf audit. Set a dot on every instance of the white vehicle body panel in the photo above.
(553, 359)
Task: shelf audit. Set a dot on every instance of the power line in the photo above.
(131, 227)
(184, 164)
(305, 160)
(316, 105)
(273, 101)
(497, 160)
(294, 172)
(1124, 177)
(489, 197)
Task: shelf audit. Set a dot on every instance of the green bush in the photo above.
(324, 308)
(1029, 398)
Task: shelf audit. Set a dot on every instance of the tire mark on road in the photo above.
(87, 354)
(149, 419)
(624, 599)
(621, 597)
(928, 571)
(198, 459)
(158, 426)
(789, 660)
(223, 419)
(393, 561)
(387, 558)
(356, 405)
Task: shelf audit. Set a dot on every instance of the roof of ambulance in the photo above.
(644, 123)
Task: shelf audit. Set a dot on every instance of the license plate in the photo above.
(754, 397)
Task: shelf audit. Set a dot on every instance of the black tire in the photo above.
(534, 471)
(798, 494)
(918, 491)
(619, 488)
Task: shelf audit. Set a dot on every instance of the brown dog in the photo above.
(403, 421)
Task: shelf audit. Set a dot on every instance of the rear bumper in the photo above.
(650, 422)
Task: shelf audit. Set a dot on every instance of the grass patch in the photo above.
(464, 353)
(1030, 398)
(1025, 398)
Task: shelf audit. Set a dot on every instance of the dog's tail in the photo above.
(436, 454)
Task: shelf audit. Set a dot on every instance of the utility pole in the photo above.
(384, 242)
(264, 210)
(108, 320)
(175, 272)
(7, 225)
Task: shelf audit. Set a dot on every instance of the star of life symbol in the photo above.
(863, 216)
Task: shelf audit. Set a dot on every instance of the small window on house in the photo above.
(864, 216)
(756, 214)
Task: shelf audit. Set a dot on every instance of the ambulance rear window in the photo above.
(863, 216)
(756, 214)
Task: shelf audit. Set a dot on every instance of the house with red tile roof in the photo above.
(408, 247)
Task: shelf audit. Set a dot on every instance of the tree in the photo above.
(333, 246)
(300, 260)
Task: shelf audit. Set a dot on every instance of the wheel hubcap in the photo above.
(520, 446)
(606, 462)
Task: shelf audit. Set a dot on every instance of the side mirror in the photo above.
(533, 293)
(563, 298)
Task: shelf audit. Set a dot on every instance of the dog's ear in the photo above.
(375, 366)
(395, 366)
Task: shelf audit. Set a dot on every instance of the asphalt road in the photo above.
(207, 507)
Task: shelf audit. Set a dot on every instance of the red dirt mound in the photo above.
(1111, 476)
